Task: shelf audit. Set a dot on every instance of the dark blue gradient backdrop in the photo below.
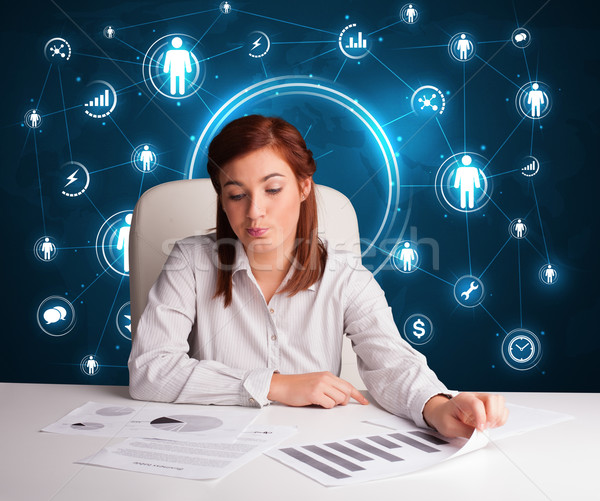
(558, 204)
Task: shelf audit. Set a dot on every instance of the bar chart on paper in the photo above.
(359, 459)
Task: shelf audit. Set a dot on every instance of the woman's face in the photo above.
(261, 197)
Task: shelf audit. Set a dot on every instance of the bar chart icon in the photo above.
(352, 42)
(361, 43)
(530, 166)
(102, 99)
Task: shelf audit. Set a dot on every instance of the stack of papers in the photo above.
(206, 442)
(187, 441)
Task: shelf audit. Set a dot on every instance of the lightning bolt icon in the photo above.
(72, 178)
(256, 44)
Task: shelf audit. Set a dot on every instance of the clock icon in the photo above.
(521, 349)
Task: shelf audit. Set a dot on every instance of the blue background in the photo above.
(465, 351)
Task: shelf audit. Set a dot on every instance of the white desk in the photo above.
(561, 462)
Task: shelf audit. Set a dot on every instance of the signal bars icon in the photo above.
(101, 104)
(531, 167)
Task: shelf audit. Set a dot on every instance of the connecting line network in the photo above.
(173, 69)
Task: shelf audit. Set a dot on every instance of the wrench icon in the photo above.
(467, 293)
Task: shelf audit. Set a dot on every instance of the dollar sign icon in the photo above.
(418, 331)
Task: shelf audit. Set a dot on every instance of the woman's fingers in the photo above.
(341, 391)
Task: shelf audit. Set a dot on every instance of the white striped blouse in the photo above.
(188, 348)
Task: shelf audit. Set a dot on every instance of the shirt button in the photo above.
(272, 310)
(251, 400)
(273, 337)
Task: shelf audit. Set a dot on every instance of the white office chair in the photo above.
(172, 211)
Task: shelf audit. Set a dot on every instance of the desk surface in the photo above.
(557, 462)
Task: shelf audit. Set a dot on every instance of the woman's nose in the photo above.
(255, 208)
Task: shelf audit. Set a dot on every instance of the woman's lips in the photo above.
(256, 232)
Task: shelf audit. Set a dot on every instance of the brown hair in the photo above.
(245, 135)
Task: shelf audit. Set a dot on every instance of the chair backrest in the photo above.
(172, 211)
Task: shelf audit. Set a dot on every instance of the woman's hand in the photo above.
(459, 416)
(320, 388)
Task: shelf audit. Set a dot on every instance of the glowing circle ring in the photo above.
(264, 52)
(531, 359)
(523, 94)
(153, 59)
(340, 43)
(104, 242)
(114, 102)
(64, 303)
(444, 179)
(122, 309)
(294, 85)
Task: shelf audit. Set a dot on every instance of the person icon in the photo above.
(110, 32)
(34, 119)
(535, 98)
(464, 47)
(91, 365)
(123, 241)
(467, 179)
(226, 8)
(177, 64)
(48, 248)
(549, 274)
(147, 157)
(407, 256)
(411, 12)
(520, 228)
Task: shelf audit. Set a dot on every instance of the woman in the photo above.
(257, 312)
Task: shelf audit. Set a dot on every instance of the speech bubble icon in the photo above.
(51, 316)
(62, 311)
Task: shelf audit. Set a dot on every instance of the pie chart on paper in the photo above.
(186, 423)
(114, 411)
(87, 426)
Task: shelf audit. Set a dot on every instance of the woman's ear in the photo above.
(305, 187)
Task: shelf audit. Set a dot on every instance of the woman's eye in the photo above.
(238, 197)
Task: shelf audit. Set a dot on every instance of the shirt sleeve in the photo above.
(160, 368)
(395, 374)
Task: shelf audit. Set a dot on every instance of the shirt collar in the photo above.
(242, 263)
